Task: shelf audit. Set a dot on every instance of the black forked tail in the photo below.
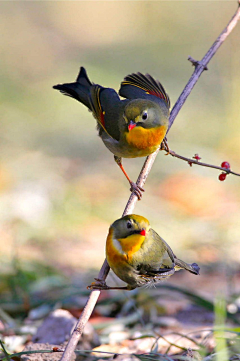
(79, 90)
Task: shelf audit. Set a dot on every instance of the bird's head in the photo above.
(144, 113)
(129, 233)
(130, 225)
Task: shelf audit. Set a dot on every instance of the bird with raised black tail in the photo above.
(132, 127)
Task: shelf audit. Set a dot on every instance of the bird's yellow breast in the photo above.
(131, 244)
(146, 139)
(122, 252)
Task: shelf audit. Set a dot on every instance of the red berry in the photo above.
(196, 156)
(190, 163)
(225, 165)
(222, 176)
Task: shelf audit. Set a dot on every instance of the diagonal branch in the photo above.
(200, 66)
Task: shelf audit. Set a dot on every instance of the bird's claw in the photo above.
(137, 190)
(98, 285)
(164, 146)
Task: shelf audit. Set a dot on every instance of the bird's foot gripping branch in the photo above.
(102, 286)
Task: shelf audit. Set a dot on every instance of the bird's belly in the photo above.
(114, 146)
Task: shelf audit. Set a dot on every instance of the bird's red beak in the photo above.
(131, 125)
(143, 232)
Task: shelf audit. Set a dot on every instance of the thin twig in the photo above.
(88, 309)
(170, 343)
(4, 351)
(193, 161)
(201, 65)
(199, 345)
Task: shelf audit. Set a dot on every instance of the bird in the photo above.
(138, 255)
(131, 127)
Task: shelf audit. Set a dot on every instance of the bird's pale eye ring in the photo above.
(144, 116)
(129, 224)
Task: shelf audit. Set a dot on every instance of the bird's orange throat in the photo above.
(117, 249)
(131, 244)
(144, 139)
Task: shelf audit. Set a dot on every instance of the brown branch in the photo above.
(199, 68)
(92, 300)
(193, 161)
(201, 65)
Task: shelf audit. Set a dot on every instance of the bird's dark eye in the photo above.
(144, 116)
(129, 224)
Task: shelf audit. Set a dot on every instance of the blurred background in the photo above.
(60, 188)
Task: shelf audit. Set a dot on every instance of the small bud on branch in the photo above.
(196, 63)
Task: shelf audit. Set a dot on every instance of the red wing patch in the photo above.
(148, 84)
(102, 118)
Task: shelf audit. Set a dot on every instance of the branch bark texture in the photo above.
(200, 66)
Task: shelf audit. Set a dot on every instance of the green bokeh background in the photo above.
(59, 186)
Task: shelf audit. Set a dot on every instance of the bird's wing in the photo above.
(168, 249)
(158, 259)
(179, 264)
(154, 257)
(138, 85)
(106, 107)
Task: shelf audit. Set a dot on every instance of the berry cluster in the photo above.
(223, 175)
(225, 165)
